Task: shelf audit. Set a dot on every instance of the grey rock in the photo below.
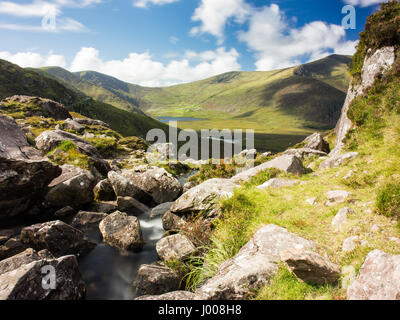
(13, 142)
(204, 197)
(350, 244)
(102, 207)
(70, 124)
(156, 279)
(379, 278)
(341, 218)
(25, 283)
(84, 220)
(131, 206)
(255, 264)
(74, 187)
(65, 212)
(188, 185)
(12, 247)
(170, 296)
(285, 163)
(57, 237)
(172, 222)
(303, 153)
(160, 210)
(317, 142)
(310, 267)
(122, 231)
(104, 191)
(14, 262)
(175, 247)
(277, 183)
(91, 122)
(337, 196)
(23, 183)
(337, 161)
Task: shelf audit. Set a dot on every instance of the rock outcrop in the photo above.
(379, 278)
(337, 161)
(316, 142)
(277, 183)
(380, 61)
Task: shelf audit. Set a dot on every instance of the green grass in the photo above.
(388, 200)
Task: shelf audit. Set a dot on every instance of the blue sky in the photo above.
(163, 42)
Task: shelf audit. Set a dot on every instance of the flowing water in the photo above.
(110, 273)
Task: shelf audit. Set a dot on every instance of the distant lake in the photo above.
(179, 119)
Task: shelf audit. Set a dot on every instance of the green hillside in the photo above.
(18, 81)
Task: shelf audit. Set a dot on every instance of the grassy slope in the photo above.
(373, 179)
(17, 81)
(98, 93)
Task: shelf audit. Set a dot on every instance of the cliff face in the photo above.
(377, 63)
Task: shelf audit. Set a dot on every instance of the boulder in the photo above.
(91, 122)
(317, 142)
(204, 197)
(124, 187)
(74, 187)
(57, 237)
(248, 154)
(175, 247)
(157, 182)
(163, 151)
(13, 142)
(102, 207)
(12, 247)
(23, 183)
(26, 282)
(70, 124)
(85, 221)
(337, 161)
(285, 163)
(131, 206)
(160, 210)
(6, 234)
(122, 231)
(14, 262)
(65, 212)
(310, 267)
(337, 196)
(303, 153)
(170, 296)
(350, 244)
(172, 222)
(188, 185)
(156, 279)
(341, 218)
(379, 278)
(255, 264)
(277, 183)
(104, 191)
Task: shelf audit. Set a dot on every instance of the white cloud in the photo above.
(140, 68)
(364, 3)
(34, 60)
(214, 14)
(145, 3)
(40, 9)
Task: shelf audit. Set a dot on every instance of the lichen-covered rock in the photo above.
(172, 222)
(316, 142)
(379, 278)
(156, 279)
(337, 161)
(13, 142)
(74, 187)
(175, 247)
(122, 231)
(131, 206)
(57, 237)
(285, 163)
(255, 264)
(23, 183)
(26, 282)
(310, 267)
(70, 124)
(204, 197)
(157, 182)
(104, 191)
